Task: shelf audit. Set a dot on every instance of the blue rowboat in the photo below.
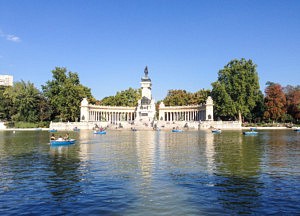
(216, 131)
(76, 129)
(99, 132)
(176, 130)
(62, 142)
(53, 130)
(297, 129)
(250, 132)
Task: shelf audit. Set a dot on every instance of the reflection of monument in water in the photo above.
(210, 152)
(145, 150)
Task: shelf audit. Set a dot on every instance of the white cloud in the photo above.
(9, 37)
(13, 38)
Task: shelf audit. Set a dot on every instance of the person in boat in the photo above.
(60, 138)
(66, 137)
(52, 137)
(101, 128)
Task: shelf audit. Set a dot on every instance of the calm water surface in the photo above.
(151, 173)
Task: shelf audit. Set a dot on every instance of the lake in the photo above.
(151, 173)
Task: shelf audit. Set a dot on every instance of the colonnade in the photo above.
(194, 115)
(111, 116)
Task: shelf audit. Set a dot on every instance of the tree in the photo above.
(5, 103)
(177, 98)
(236, 92)
(24, 98)
(65, 93)
(293, 101)
(127, 97)
(199, 97)
(180, 97)
(275, 102)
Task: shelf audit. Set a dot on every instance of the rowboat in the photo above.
(216, 131)
(52, 130)
(99, 132)
(297, 129)
(250, 132)
(62, 142)
(176, 130)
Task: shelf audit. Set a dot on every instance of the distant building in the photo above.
(6, 80)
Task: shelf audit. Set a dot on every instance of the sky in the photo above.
(184, 43)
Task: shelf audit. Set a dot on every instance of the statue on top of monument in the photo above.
(146, 71)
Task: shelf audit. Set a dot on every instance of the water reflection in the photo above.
(145, 150)
(238, 161)
(150, 172)
(64, 174)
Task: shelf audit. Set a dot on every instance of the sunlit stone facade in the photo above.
(202, 112)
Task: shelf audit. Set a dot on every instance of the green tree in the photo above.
(25, 99)
(5, 103)
(275, 102)
(236, 92)
(65, 93)
(45, 109)
(177, 98)
(180, 97)
(127, 97)
(199, 97)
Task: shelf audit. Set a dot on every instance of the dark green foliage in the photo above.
(5, 103)
(65, 93)
(236, 92)
(23, 99)
(127, 97)
(184, 98)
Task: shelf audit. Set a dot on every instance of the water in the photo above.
(151, 173)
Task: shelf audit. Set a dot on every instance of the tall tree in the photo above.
(64, 93)
(25, 99)
(236, 92)
(293, 101)
(6, 105)
(275, 102)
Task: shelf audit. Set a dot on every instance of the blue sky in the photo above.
(184, 43)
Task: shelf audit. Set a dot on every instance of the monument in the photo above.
(145, 112)
(143, 116)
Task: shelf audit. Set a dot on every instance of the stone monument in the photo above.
(145, 112)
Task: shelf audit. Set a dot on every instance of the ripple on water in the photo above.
(151, 173)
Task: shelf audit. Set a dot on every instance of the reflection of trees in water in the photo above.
(238, 160)
(19, 153)
(238, 155)
(64, 164)
(278, 144)
(219, 171)
(239, 195)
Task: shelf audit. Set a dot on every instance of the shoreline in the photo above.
(128, 129)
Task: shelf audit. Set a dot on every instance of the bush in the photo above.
(28, 125)
(25, 125)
